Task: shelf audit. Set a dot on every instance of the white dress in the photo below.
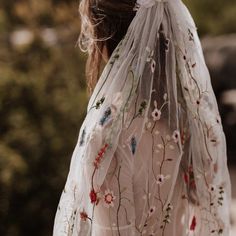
(151, 152)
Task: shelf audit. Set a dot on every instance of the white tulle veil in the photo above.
(158, 68)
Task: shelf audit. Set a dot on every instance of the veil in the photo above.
(157, 72)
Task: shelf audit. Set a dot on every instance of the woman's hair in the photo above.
(103, 24)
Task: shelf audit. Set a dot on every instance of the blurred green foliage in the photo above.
(43, 102)
(213, 16)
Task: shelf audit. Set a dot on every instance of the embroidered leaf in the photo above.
(99, 102)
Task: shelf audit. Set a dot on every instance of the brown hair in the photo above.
(103, 24)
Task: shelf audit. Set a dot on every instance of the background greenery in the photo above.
(43, 102)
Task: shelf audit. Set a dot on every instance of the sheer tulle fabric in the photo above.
(151, 153)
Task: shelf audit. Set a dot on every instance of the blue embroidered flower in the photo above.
(82, 137)
(133, 144)
(105, 116)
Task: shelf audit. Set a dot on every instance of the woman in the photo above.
(151, 154)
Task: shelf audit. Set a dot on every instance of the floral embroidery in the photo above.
(211, 188)
(161, 179)
(156, 114)
(105, 116)
(133, 144)
(83, 216)
(176, 136)
(109, 198)
(153, 65)
(194, 98)
(221, 198)
(166, 219)
(166, 44)
(143, 106)
(193, 223)
(99, 102)
(93, 197)
(151, 210)
(100, 155)
(150, 59)
(189, 178)
(191, 38)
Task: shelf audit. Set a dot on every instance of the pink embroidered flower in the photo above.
(176, 136)
(153, 65)
(156, 114)
(193, 223)
(109, 198)
(211, 188)
(161, 179)
(150, 59)
(151, 210)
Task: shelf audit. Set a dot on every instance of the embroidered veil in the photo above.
(156, 74)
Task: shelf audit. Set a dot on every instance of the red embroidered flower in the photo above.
(93, 196)
(83, 215)
(193, 223)
(97, 160)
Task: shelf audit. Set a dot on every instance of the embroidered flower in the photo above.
(153, 65)
(106, 115)
(83, 215)
(93, 197)
(176, 136)
(161, 179)
(167, 42)
(109, 198)
(188, 177)
(150, 59)
(193, 223)
(211, 188)
(151, 210)
(100, 155)
(133, 144)
(156, 114)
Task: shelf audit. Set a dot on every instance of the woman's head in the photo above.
(103, 24)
